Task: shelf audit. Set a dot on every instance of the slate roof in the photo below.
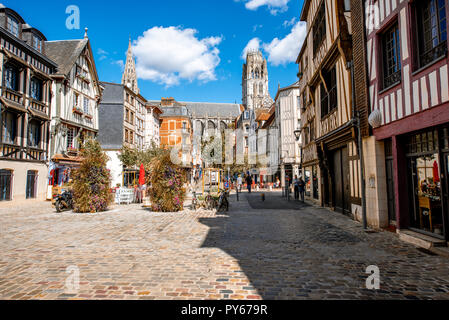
(65, 53)
(212, 110)
(113, 93)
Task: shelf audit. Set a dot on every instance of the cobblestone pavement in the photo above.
(131, 253)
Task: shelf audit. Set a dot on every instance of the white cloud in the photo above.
(280, 51)
(119, 63)
(169, 55)
(289, 23)
(275, 6)
(253, 45)
(257, 26)
(286, 50)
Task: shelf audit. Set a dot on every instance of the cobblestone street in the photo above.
(302, 252)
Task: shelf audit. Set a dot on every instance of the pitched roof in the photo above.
(209, 109)
(65, 53)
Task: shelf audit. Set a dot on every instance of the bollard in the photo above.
(237, 190)
(288, 194)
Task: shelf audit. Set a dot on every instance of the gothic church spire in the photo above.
(129, 78)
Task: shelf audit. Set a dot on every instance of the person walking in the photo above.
(296, 186)
(249, 182)
(239, 183)
(302, 188)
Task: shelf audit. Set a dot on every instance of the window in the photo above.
(36, 89)
(312, 130)
(261, 89)
(5, 185)
(71, 134)
(37, 43)
(75, 99)
(86, 105)
(329, 100)
(12, 78)
(13, 26)
(9, 128)
(34, 134)
(432, 30)
(319, 28)
(31, 184)
(126, 135)
(391, 57)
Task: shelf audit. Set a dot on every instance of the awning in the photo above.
(38, 114)
(67, 160)
(13, 105)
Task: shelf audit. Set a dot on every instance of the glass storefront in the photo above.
(308, 181)
(425, 154)
(315, 182)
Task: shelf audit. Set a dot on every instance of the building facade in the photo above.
(25, 99)
(288, 121)
(75, 100)
(408, 60)
(152, 126)
(122, 116)
(330, 159)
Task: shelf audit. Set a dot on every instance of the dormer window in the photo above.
(13, 26)
(37, 43)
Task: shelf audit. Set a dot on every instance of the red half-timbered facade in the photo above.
(407, 57)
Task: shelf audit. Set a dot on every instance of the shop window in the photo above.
(34, 134)
(31, 185)
(308, 181)
(130, 178)
(9, 127)
(391, 57)
(432, 30)
(6, 184)
(319, 28)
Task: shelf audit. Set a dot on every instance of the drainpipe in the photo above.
(356, 120)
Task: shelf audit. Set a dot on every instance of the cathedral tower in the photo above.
(129, 78)
(255, 92)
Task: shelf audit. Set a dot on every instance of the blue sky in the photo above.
(190, 50)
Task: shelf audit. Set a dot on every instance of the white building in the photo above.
(288, 121)
(76, 96)
(152, 126)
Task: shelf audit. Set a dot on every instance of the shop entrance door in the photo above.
(445, 174)
(340, 183)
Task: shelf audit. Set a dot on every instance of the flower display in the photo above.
(92, 180)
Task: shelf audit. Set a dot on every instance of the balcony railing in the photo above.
(12, 95)
(10, 151)
(433, 54)
(35, 154)
(38, 105)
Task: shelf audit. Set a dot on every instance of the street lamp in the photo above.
(297, 134)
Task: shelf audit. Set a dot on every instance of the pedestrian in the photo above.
(239, 183)
(302, 188)
(296, 186)
(249, 182)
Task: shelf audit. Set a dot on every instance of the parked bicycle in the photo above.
(223, 202)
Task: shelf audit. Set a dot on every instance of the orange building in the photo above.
(176, 128)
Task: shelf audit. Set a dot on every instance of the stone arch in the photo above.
(223, 125)
(211, 125)
(199, 127)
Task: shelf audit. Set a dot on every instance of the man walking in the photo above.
(296, 186)
(302, 188)
(239, 183)
(249, 182)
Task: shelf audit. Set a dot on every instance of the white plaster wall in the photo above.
(116, 167)
(19, 179)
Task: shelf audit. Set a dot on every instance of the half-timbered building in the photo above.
(331, 163)
(409, 99)
(25, 98)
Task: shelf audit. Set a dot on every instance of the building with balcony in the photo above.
(76, 97)
(25, 100)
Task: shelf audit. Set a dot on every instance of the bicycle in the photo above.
(223, 202)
